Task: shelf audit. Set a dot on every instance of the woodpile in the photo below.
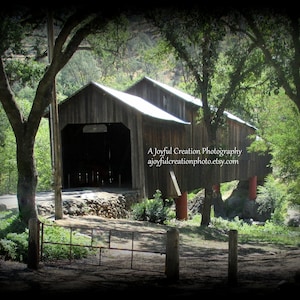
(108, 205)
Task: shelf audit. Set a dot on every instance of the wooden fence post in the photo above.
(33, 244)
(172, 254)
(232, 258)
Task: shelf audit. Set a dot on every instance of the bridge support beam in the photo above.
(182, 207)
(216, 188)
(252, 187)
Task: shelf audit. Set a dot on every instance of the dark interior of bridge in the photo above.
(95, 155)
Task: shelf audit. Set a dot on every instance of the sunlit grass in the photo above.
(218, 229)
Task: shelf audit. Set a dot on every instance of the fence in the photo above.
(109, 247)
(105, 245)
(120, 248)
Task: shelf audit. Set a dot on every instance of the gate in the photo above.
(107, 247)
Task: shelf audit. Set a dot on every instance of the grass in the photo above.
(280, 235)
(14, 237)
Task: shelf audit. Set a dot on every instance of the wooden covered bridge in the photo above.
(148, 138)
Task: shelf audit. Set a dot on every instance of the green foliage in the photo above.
(152, 210)
(293, 191)
(14, 240)
(8, 163)
(270, 232)
(267, 234)
(124, 54)
(12, 32)
(193, 193)
(228, 186)
(278, 134)
(20, 241)
(9, 250)
(4, 124)
(111, 50)
(43, 157)
(13, 236)
(59, 247)
(24, 73)
(272, 199)
(79, 71)
(10, 222)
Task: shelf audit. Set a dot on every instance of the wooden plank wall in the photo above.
(234, 134)
(190, 177)
(92, 105)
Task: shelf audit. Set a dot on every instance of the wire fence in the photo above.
(107, 247)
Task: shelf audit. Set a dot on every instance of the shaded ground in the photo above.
(262, 270)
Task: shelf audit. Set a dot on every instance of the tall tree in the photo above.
(279, 131)
(277, 33)
(74, 24)
(222, 68)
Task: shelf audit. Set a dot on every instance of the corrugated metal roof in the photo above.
(141, 105)
(195, 100)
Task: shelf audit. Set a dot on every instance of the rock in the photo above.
(3, 207)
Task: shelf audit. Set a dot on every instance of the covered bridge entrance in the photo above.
(105, 137)
(96, 155)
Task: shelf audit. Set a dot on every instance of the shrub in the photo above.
(272, 199)
(14, 240)
(154, 210)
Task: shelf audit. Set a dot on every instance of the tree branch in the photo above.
(9, 103)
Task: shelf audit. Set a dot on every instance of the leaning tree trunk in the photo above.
(27, 179)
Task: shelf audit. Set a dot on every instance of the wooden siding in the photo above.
(91, 105)
(163, 99)
(158, 136)
(233, 135)
(190, 177)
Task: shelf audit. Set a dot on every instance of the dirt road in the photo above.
(262, 270)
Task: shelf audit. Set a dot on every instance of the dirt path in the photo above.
(262, 270)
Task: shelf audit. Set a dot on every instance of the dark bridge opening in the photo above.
(95, 155)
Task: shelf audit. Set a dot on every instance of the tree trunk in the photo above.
(219, 206)
(27, 179)
(209, 177)
(206, 209)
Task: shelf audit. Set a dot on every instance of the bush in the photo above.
(154, 210)
(272, 199)
(58, 244)
(14, 240)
